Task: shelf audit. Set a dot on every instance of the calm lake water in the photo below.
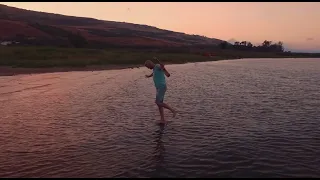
(240, 118)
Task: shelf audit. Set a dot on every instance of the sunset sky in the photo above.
(296, 24)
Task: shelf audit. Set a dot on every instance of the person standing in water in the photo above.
(159, 72)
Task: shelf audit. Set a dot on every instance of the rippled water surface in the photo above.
(241, 118)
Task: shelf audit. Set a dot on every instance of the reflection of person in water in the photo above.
(160, 147)
(159, 154)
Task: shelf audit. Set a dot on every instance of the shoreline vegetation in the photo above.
(39, 42)
(31, 60)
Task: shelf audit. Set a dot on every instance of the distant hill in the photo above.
(40, 28)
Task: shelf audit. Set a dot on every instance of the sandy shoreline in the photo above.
(9, 71)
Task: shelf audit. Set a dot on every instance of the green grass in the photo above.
(38, 57)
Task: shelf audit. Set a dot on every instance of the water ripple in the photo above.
(245, 118)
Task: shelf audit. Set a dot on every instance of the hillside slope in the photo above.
(39, 28)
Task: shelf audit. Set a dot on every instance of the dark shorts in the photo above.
(161, 90)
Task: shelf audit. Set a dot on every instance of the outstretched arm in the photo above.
(147, 76)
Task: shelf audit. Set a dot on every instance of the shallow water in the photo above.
(240, 118)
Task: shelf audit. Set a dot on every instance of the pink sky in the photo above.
(297, 24)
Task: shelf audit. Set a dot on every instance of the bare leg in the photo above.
(161, 114)
(164, 105)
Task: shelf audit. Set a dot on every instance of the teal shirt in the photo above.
(158, 76)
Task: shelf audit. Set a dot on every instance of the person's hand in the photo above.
(162, 66)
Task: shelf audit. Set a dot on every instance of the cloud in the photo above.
(309, 39)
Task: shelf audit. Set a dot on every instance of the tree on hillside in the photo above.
(77, 40)
(266, 43)
(249, 45)
(280, 46)
(223, 45)
(243, 43)
(266, 46)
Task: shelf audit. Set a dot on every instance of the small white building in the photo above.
(6, 43)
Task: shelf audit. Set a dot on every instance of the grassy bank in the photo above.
(48, 57)
(39, 57)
